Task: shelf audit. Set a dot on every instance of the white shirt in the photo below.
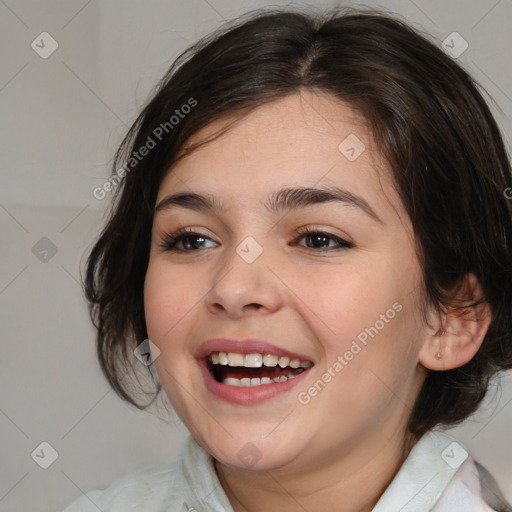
(437, 476)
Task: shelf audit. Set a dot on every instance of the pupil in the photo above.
(195, 241)
(319, 238)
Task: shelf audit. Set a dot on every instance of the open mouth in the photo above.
(250, 370)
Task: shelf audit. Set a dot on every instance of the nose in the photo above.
(240, 287)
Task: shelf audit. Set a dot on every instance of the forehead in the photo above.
(305, 139)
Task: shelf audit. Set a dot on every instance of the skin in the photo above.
(351, 438)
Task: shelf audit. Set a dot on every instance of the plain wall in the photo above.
(62, 119)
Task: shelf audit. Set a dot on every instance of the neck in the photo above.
(352, 482)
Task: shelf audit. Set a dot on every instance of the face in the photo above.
(288, 330)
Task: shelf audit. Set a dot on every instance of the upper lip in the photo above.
(246, 346)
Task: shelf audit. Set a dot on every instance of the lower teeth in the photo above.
(248, 383)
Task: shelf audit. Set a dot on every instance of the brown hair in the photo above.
(427, 117)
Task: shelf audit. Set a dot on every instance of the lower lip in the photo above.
(247, 395)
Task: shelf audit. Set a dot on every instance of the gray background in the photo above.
(62, 119)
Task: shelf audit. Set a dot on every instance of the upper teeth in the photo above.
(255, 360)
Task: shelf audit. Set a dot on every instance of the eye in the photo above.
(186, 237)
(187, 240)
(321, 238)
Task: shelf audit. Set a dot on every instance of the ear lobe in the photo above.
(461, 332)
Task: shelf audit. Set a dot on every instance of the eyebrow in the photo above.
(282, 200)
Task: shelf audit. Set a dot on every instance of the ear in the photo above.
(458, 335)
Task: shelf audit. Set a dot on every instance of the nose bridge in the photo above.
(244, 279)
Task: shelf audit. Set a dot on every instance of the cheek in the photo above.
(347, 301)
(169, 298)
(169, 295)
(368, 315)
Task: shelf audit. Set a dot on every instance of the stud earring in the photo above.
(438, 355)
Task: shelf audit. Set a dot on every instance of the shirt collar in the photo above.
(425, 474)
(205, 490)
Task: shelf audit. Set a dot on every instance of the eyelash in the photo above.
(170, 241)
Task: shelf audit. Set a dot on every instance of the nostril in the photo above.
(253, 305)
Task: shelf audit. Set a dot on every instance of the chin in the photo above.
(258, 452)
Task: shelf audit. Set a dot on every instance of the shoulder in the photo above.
(472, 489)
(171, 486)
(463, 493)
(146, 489)
(439, 475)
